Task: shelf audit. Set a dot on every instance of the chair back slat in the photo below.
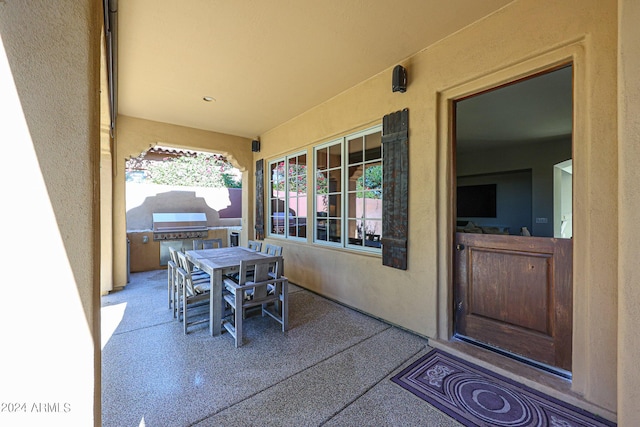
(273, 250)
(255, 245)
(261, 270)
(173, 255)
(207, 244)
(186, 266)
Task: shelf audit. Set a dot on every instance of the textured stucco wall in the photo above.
(523, 38)
(49, 122)
(145, 199)
(106, 191)
(629, 198)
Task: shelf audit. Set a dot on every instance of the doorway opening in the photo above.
(512, 265)
(202, 191)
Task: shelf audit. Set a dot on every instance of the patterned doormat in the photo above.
(475, 396)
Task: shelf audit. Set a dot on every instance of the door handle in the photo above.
(460, 247)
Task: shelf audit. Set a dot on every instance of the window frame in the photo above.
(315, 196)
(285, 161)
(364, 162)
(344, 216)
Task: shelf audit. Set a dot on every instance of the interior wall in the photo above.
(521, 39)
(134, 136)
(513, 200)
(49, 120)
(539, 156)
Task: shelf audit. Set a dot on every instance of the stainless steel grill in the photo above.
(181, 225)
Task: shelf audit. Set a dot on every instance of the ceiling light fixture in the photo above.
(208, 99)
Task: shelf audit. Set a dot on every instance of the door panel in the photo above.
(515, 293)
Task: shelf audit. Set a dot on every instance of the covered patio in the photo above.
(311, 77)
(333, 367)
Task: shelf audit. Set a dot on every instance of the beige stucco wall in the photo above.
(145, 199)
(49, 123)
(106, 170)
(629, 244)
(134, 136)
(525, 37)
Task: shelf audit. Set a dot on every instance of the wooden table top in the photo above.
(224, 257)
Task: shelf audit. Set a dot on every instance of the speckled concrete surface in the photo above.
(332, 367)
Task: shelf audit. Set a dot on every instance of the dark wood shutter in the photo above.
(259, 220)
(395, 198)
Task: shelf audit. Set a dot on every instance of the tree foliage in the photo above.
(297, 175)
(371, 182)
(202, 170)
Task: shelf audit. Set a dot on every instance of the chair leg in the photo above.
(176, 298)
(170, 284)
(239, 315)
(176, 303)
(285, 305)
(184, 309)
(176, 286)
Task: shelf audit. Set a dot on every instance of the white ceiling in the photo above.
(267, 61)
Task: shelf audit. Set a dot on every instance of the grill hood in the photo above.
(179, 225)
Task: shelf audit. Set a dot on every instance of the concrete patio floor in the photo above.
(331, 368)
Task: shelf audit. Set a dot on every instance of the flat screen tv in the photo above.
(477, 201)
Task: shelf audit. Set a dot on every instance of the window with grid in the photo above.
(348, 191)
(288, 196)
(328, 191)
(364, 190)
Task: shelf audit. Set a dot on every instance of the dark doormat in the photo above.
(475, 396)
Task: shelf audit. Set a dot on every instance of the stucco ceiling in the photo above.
(265, 62)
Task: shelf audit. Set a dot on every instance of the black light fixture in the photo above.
(399, 81)
(255, 145)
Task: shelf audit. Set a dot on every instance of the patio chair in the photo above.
(172, 279)
(172, 266)
(273, 250)
(192, 290)
(207, 244)
(171, 272)
(250, 292)
(255, 245)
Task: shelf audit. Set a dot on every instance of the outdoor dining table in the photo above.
(216, 263)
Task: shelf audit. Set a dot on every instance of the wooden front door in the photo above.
(515, 293)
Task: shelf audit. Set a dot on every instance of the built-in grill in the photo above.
(178, 226)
